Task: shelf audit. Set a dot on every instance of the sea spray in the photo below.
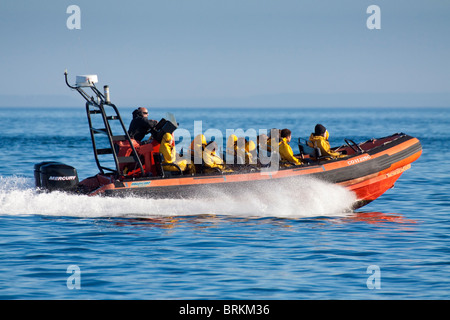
(303, 197)
(306, 197)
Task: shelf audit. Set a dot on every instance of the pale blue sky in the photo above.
(194, 52)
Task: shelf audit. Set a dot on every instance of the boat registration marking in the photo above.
(140, 184)
(398, 171)
(358, 160)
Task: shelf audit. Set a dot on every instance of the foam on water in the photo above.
(308, 199)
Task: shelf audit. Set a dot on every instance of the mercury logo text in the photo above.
(67, 178)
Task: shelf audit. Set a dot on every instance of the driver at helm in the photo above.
(319, 139)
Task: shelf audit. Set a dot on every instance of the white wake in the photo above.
(308, 199)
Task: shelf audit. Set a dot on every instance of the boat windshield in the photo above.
(170, 117)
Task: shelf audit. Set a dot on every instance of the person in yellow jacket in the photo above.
(248, 155)
(169, 153)
(262, 141)
(211, 159)
(319, 139)
(273, 139)
(232, 145)
(250, 152)
(285, 150)
(241, 149)
(197, 147)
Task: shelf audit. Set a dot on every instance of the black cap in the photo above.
(319, 130)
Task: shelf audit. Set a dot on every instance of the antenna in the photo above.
(89, 81)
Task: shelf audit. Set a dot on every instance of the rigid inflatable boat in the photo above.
(369, 168)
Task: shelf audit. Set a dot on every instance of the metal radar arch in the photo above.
(99, 105)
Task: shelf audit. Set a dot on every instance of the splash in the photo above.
(307, 199)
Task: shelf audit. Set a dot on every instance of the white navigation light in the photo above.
(86, 80)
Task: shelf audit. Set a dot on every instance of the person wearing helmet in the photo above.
(197, 147)
(285, 149)
(169, 153)
(246, 151)
(231, 149)
(250, 152)
(241, 150)
(319, 139)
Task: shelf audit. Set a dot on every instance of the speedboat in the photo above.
(369, 168)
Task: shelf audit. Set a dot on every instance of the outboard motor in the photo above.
(51, 176)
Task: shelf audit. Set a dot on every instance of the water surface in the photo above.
(296, 243)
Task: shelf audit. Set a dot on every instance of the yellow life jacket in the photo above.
(169, 153)
(286, 152)
(323, 145)
(250, 152)
(196, 149)
(232, 145)
(212, 160)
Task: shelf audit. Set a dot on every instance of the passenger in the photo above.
(242, 150)
(261, 144)
(232, 146)
(140, 125)
(169, 153)
(285, 149)
(197, 147)
(319, 139)
(211, 159)
(274, 138)
(248, 153)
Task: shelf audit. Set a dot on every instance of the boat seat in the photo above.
(159, 159)
(307, 150)
(312, 153)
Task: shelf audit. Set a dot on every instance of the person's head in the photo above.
(273, 132)
(140, 112)
(286, 133)
(200, 140)
(212, 147)
(143, 111)
(232, 141)
(261, 139)
(320, 130)
(250, 146)
(167, 138)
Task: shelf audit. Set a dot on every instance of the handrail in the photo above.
(100, 105)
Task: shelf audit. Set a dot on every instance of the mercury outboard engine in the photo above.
(51, 176)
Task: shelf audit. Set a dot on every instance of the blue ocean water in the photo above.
(298, 243)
